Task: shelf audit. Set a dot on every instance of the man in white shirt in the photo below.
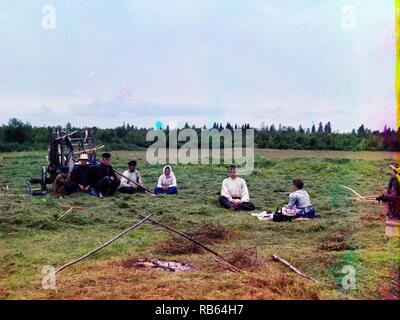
(234, 193)
(127, 186)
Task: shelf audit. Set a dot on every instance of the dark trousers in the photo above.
(91, 191)
(65, 189)
(69, 188)
(171, 190)
(131, 190)
(246, 206)
(106, 186)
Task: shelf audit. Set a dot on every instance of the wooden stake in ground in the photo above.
(65, 213)
(69, 209)
(223, 261)
(103, 245)
(293, 268)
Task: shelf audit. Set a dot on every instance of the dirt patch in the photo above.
(336, 247)
(337, 242)
(3, 294)
(374, 217)
(207, 233)
(156, 264)
(389, 288)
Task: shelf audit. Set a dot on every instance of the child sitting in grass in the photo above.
(299, 202)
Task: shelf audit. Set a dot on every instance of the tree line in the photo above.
(20, 136)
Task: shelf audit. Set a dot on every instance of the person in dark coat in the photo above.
(107, 181)
(83, 176)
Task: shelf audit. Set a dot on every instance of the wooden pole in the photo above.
(355, 192)
(65, 213)
(221, 258)
(293, 268)
(104, 244)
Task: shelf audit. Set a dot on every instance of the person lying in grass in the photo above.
(166, 182)
(234, 193)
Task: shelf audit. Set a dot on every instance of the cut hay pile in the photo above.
(337, 242)
(245, 259)
(207, 233)
(213, 232)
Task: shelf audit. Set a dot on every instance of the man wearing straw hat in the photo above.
(83, 176)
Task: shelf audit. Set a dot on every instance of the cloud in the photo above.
(198, 61)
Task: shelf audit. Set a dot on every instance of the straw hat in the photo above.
(83, 156)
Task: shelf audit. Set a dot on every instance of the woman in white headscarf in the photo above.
(166, 182)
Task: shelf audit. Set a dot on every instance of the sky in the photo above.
(293, 62)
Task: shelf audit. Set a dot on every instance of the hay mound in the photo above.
(245, 259)
(179, 245)
(335, 242)
(207, 233)
(212, 231)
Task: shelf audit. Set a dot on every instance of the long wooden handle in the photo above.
(350, 189)
(145, 189)
(103, 245)
(65, 213)
(293, 268)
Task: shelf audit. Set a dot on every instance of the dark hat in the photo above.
(64, 169)
(132, 163)
(106, 155)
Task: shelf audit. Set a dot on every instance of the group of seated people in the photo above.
(235, 196)
(101, 180)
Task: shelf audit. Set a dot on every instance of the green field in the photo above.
(349, 233)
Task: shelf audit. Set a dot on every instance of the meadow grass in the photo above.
(349, 232)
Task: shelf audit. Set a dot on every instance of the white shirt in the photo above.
(169, 181)
(299, 199)
(135, 176)
(235, 188)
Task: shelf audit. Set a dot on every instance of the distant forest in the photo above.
(20, 136)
